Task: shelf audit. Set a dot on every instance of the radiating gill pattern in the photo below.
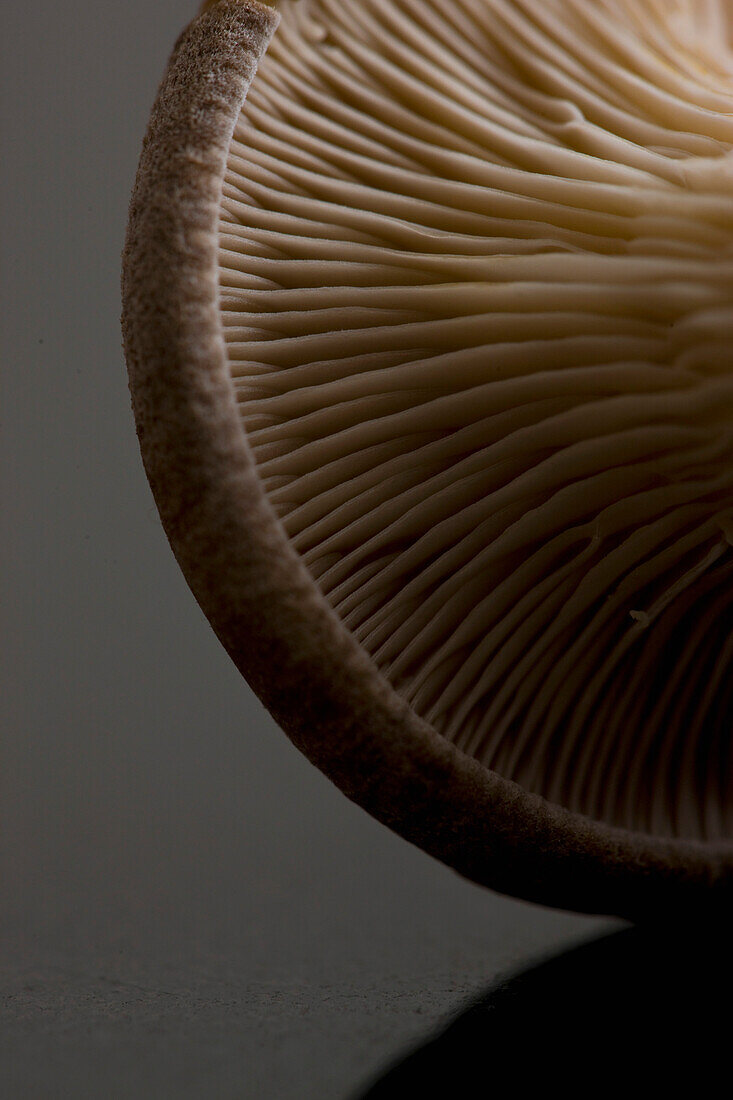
(477, 293)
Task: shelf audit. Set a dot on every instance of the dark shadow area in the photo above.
(622, 1015)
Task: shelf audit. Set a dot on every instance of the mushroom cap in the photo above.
(428, 342)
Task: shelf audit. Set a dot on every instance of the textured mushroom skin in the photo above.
(280, 631)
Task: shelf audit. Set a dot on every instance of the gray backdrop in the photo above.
(189, 909)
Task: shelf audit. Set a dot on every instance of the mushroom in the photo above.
(428, 329)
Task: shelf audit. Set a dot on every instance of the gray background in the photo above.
(189, 909)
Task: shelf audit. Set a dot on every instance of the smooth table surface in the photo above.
(295, 965)
(316, 984)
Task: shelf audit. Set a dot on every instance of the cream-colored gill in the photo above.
(476, 278)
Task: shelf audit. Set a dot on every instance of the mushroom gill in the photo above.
(476, 282)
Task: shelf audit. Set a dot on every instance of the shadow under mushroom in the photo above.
(642, 1003)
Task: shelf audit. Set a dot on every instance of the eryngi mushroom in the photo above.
(430, 349)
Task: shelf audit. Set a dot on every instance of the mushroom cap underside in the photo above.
(428, 343)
